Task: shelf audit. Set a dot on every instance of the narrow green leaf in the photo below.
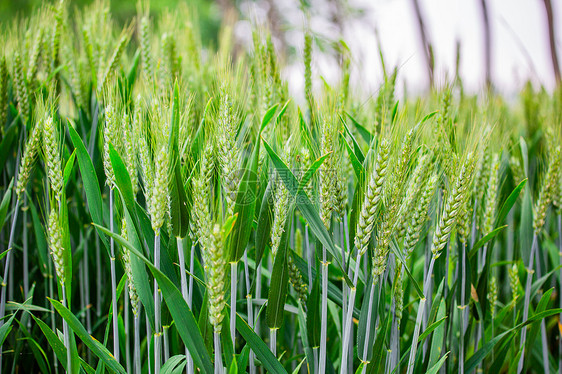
(68, 167)
(357, 165)
(265, 220)
(181, 313)
(365, 134)
(268, 360)
(175, 364)
(245, 206)
(90, 181)
(484, 240)
(312, 170)
(56, 344)
(97, 348)
(435, 368)
(279, 280)
(5, 204)
(268, 116)
(306, 208)
(430, 328)
(6, 145)
(178, 197)
(358, 154)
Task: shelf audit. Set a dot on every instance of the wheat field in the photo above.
(168, 207)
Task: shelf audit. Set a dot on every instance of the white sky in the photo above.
(519, 42)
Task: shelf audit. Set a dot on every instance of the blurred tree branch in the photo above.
(426, 44)
(552, 40)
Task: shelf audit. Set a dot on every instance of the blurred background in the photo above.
(499, 44)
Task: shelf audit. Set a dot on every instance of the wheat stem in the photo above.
(560, 280)
(137, 355)
(462, 308)
(66, 333)
(184, 290)
(530, 272)
(250, 310)
(218, 356)
(7, 265)
(419, 318)
(113, 281)
(324, 313)
(233, 291)
(273, 341)
(25, 251)
(348, 328)
(157, 307)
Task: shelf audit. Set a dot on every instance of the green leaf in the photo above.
(479, 355)
(430, 328)
(56, 345)
(358, 154)
(6, 146)
(268, 360)
(378, 348)
(265, 220)
(484, 240)
(365, 134)
(398, 253)
(509, 202)
(306, 208)
(279, 279)
(178, 197)
(437, 340)
(313, 314)
(181, 313)
(435, 368)
(97, 348)
(5, 204)
(174, 365)
(268, 116)
(312, 170)
(357, 165)
(90, 181)
(245, 206)
(68, 167)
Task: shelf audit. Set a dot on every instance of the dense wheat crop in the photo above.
(169, 208)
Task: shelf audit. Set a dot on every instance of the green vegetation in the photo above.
(168, 208)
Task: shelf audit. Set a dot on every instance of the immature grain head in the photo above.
(130, 153)
(491, 195)
(133, 295)
(52, 154)
(113, 62)
(373, 196)
(21, 88)
(399, 292)
(514, 283)
(453, 205)
(3, 90)
(159, 191)
(201, 196)
(216, 270)
(28, 158)
(55, 243)
(146, 58)
(280, 209)
(550, 182)
(111, 135)
(229, 151)
(493, 295)
(419, 215)
(295, 278)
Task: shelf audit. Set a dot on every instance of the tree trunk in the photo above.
(426, 44)
(552, 40)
